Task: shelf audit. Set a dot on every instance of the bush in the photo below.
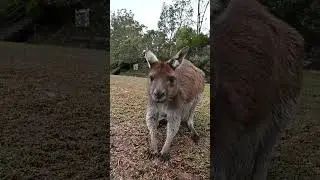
(202, 62)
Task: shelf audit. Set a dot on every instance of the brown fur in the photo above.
(258, 74)
(190, 80)
(181, 84)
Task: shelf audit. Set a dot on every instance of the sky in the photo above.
(147, 12)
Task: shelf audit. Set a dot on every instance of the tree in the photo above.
(173, 17)
(156, 40)
(187, 36)
(201, 13)
(125, 37)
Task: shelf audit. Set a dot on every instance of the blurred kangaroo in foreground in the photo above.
(174, 89)
(258, 75)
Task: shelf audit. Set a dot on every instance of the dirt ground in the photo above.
(53, 119)
(130, 141)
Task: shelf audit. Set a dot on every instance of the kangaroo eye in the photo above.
(151, 78)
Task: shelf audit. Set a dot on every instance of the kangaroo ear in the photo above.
(150, 57)
(177, 59)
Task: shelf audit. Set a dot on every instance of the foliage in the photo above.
(128, 37)
(14, 9)
(174, 16)
(125, 37)
(304, 15)
(34, 8)
(202, 62)
(156, 40)
(187, 36)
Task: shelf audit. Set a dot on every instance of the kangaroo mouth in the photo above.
(161, 100)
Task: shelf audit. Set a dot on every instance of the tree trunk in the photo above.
(198, 18)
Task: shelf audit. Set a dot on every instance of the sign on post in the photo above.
(136, 67)
(82, 17)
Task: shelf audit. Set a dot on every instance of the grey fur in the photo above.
(174, 115)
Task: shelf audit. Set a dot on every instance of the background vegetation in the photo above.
(128, 37)
(54, 22)
(175, 30)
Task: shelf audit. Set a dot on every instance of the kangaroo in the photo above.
(258, 62)
(175, 88)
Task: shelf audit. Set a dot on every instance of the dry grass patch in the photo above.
(129, 137)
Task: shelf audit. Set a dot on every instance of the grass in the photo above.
(53, 114)
(297, 154)
(129, 137)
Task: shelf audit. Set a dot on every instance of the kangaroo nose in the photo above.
(159, 94)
